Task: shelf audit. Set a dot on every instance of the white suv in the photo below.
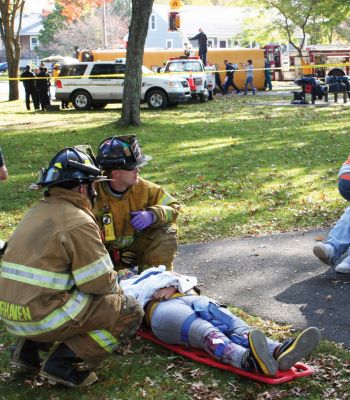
(201, 79)
(95, 84)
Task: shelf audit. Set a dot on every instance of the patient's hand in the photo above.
(164, 293)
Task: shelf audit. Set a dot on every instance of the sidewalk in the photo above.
(276, 277)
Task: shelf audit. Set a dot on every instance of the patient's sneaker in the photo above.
(292, 350)
(325, 252)
(258, 357)
(344, 266)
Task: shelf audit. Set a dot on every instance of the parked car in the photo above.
(3, 67)
(95, 84)
(200, 78)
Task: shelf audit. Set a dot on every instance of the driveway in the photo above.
(276, 277)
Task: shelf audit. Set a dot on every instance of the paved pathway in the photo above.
(276, 277)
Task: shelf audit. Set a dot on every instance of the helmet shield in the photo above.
(121, 152)
(69, 167)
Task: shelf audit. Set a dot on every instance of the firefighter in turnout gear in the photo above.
(136, 216)
(57, 280)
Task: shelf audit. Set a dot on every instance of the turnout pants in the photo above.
(155, 247)
(95, 334)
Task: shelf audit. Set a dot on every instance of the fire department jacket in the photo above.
(54, 263)
(144, 195)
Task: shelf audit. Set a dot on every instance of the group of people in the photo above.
(37, 87)
(202, 39)
(231, 68)
(94, 258)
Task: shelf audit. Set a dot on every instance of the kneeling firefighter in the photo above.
(57, 280)
(136, 216)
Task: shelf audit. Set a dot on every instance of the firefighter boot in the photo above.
(59, 367)
(258, 357)
(25, 357)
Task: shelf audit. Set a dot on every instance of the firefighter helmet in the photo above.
(121, 152)
(68, 168)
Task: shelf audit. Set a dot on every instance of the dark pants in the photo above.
(218, 82)
(31, 92)
(229, 82)
(43, 98)
(268, 83)
(203, 54)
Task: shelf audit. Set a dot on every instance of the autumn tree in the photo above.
(52, 23)
(308, 17)
(10, 25)
(140, 14)
(122, 8)
(75, 9)
(87, 31)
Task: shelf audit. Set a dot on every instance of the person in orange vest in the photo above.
(338, 241)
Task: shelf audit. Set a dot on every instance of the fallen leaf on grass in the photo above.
(178, 376)
(195, 373)
(272, 395)
(149, 381)
(200, 391)
(319, 238)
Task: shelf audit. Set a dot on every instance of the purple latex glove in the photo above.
(142, 219)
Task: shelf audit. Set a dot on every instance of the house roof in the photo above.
(214, 20)
(32, 23)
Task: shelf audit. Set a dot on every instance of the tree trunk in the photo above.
(9, 31)
(141, 11)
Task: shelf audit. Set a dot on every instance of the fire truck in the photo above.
(320, 60)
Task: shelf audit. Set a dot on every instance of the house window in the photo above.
(222, 44)
(153, 22)
(210, 43)
(169, 44)
(34, 42)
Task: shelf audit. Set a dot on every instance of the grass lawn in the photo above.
(239, 167)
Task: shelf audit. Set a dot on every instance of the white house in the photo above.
(219, 23)
(29, 36)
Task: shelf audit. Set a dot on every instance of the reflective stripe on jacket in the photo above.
(144, 195)
(55, 260)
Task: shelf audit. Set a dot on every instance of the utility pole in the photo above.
(104, 30)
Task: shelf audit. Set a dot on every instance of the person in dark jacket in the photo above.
(267, 82)
(230, 71)
(42, 85)
(202, 44)
(28, 79)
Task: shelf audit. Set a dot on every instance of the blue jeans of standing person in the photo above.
(339, 235)
(249, 81)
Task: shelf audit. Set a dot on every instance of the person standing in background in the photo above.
(267, 82)
(42, 85)
(250, 75)
(28, 79)
(202, 44)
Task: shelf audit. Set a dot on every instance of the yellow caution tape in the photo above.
(305, 66)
